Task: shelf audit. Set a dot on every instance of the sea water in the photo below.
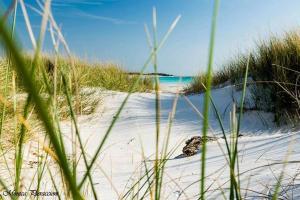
(175, 79)
(174, 83)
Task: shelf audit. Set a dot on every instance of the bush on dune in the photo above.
(274, 67)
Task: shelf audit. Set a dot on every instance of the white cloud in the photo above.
(71, 3)
(75, 5)
(104, 18)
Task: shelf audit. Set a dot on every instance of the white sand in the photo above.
(262, 144)
(121, 158)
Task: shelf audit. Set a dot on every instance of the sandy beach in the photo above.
(262, 148)
(134, 134)
(156, 100)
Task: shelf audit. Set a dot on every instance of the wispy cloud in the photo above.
(104, 18)
(79, 7)
(72, 9)
(75, 3)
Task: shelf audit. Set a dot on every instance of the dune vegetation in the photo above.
(80, 76)
(40, 93)
(108, 76)
(274, 67)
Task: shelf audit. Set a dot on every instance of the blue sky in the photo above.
(113, 30)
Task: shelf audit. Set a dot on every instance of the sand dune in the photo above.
(262, 144)
(262, 148)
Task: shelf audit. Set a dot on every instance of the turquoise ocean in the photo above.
(175, 79)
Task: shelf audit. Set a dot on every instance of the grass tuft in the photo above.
(274, 67)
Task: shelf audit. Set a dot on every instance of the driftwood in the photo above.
(193, 145)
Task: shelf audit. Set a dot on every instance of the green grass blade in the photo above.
(243, 96)
(286, 161)
(53, 182)
(28, 24)
(157, 107)
(165, 149)
(221, 125)
(220, 121)
(14, 18)
(3, 111)
(29, 83)
(67, 93)
(19, 155)
(207, 95)
(235, 153)
(149, 175)
(133, 86)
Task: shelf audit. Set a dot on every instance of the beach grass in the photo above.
(109, 76)
(106, 76)
(44, 81)
(273, 68)
(44, 91)
(207, 95)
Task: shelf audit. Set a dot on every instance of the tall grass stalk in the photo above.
(15, 6)
(149, 59)
(28, 24)
(159, 171)
(45, 17)
(157, 107)
(153, 176)
(54, 25)
(207, 96)
(146, 171)
(29, 83)
(53, 182)
(166, 142)
(228, 145)
(212, 131)
(150, 175)
(286, 161)
(235, 152)
(78, 135)
(37, 46)
(233, 181)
